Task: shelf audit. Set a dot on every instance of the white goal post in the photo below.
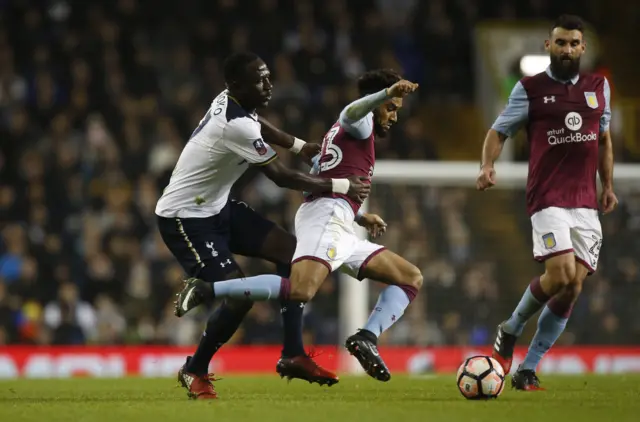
(354, 295)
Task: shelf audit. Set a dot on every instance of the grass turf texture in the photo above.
(267, 398)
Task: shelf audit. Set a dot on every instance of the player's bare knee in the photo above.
(574, 288)
(562, 274)
(303, 286)
(304, 295)
(306, 277)
(568, 273)
(302, 291)
(413, 277)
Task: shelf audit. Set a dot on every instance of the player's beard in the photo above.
(564, 70)
(379, 131)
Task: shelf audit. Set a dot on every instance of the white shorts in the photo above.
(325, 233)
(561, 230)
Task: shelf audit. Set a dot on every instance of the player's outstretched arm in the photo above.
(358, 109)
(506, 125)
(365, 105)
(274, 136)
(355, 187)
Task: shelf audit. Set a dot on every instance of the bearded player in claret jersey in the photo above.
(566, 115)
(325, 231)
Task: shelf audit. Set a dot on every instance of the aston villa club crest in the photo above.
(549, 240)
(331, 252)
(592, 99)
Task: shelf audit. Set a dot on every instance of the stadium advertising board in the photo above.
(158, 361)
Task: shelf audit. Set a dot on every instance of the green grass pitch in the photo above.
(268, 398)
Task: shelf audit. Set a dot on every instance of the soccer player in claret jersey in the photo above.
(203, 228)
(566, 115)
(324, 224)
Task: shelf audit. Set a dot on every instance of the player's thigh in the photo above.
(586, 235)
(306, 277)
(378, 263)
(324, 234)
(256, 236)
(325, 238)
(552, 244)
(200, 245)
(551, 233)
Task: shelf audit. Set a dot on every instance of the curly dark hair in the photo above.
(234, 66)
(377, 80)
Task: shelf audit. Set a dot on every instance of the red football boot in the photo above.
(305, 368)
(199, 387)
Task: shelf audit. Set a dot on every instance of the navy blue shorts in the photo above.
(205, 246)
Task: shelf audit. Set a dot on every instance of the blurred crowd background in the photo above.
(98, 97)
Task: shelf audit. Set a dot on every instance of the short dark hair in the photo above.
(377, 80)
(570, 22)
(235, 65)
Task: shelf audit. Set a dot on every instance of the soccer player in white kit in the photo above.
(203, 228)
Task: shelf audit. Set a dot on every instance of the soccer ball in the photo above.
(480, 377)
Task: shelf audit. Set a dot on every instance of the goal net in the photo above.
(474, 251)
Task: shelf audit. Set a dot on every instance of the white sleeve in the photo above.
(357, 117)
(359, 129)
(242, 136)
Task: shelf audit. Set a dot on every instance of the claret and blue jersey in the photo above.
(564, 121)
(348, 149)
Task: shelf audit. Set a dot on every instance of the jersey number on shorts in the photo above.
(333, 151)
(202, 124)
(594, 250)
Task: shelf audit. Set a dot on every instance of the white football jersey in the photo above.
(222, 147)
